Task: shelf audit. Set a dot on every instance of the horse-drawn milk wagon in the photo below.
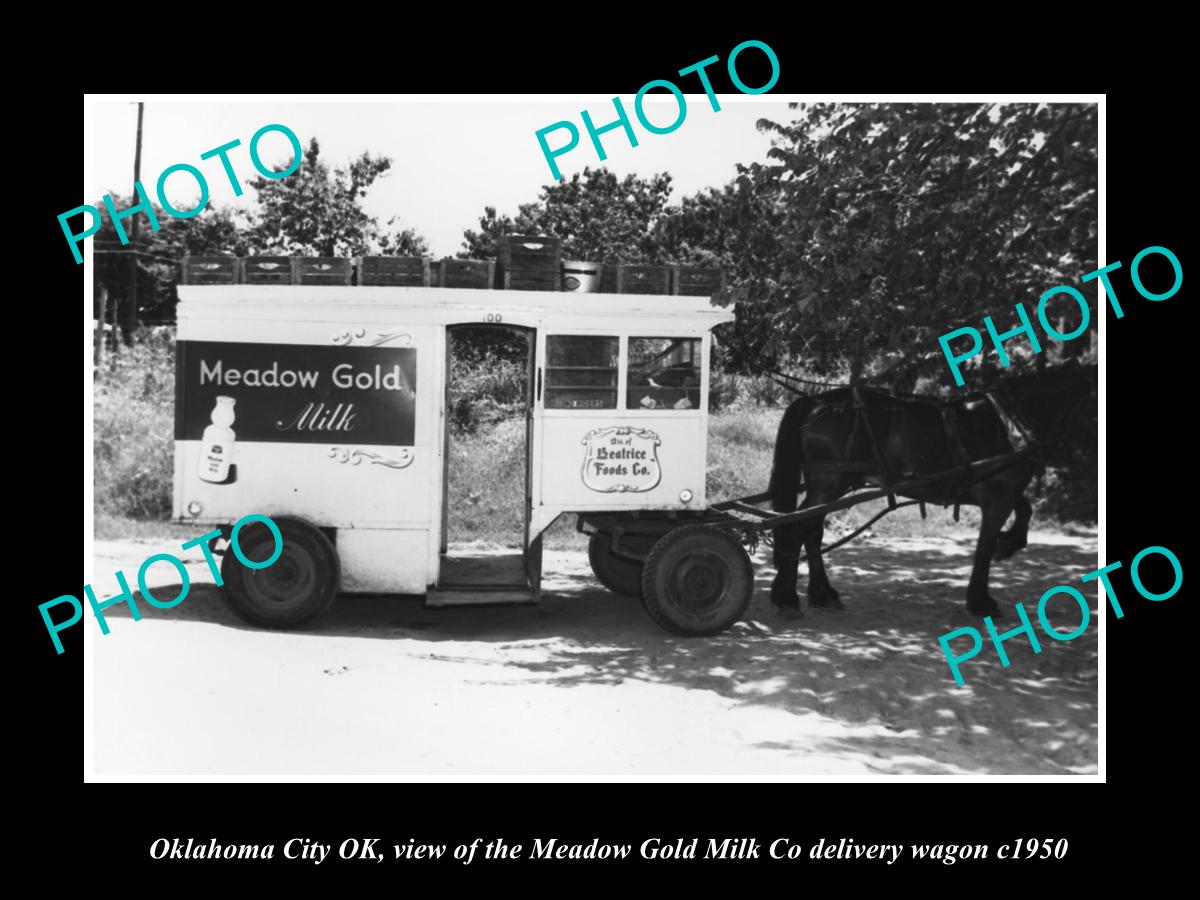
(326, 407)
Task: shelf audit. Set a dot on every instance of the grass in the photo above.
(110, 527)
(134, 430)
(487, 483)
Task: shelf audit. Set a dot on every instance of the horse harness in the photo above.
(950, 412)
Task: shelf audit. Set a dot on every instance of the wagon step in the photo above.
(468, 578)
(475, 595)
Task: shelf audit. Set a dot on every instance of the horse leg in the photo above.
(1008, 542)
(820, 592)
(995, 513)
(787, 561)
(785, 486)
(822, 488)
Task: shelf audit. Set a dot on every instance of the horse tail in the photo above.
(787, 466)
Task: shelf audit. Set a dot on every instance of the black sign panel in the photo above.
(298, 393)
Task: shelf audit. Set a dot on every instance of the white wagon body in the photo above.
(342, 422)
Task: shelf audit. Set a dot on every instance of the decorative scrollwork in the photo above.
(358, 337)
(356, 457)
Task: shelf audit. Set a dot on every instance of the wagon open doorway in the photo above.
(489, 392)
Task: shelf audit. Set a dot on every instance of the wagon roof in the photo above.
(450, 304)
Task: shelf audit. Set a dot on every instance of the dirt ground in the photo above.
(584, 683)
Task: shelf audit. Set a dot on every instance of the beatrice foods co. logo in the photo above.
(621, 459)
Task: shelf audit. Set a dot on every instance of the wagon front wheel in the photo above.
(297, 588)
(697, 580)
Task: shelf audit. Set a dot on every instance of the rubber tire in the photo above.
(719, 553)
(308, 556)
(621, 576)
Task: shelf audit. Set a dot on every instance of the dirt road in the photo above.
(584, 683)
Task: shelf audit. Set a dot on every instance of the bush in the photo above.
(485, 389)
(765, 392)
(741, 444)
(134, 427)
(502, 381)
(722, 390)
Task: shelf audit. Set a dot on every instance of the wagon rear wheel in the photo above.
(297, 588)
(618, 574)
(697, 580)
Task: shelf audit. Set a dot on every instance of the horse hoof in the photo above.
(829, 600)
(783, 594)
(785, 600)
(988, 607)
(1007, 547)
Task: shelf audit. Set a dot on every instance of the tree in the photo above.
(396, 241)
(598, 217)
(485, 243)
(900, 222)
(735, 229)
(317, 211)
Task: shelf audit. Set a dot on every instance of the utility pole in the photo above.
(131, 323)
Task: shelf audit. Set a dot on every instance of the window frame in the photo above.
(606, 334)
(702, 374)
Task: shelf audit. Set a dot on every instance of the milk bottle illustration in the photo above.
(216, 446)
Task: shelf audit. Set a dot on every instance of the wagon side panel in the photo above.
(614, 460)
(334, 424)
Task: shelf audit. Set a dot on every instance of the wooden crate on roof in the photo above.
(466, 273)
(628, 279)
(209, 270)
(267, 270)
(697, 281)
(394, 271)
(321, 270)
(529, 262)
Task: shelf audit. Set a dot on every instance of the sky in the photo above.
(450, 157)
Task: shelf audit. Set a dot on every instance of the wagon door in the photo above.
(486, 553)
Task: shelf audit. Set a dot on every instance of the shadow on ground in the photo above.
(877, 664)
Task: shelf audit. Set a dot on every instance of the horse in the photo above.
(844, 439)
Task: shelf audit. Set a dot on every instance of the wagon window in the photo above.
(581, 372)
(664, 373)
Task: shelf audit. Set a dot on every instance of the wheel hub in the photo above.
(288, 580)
(699, 581)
